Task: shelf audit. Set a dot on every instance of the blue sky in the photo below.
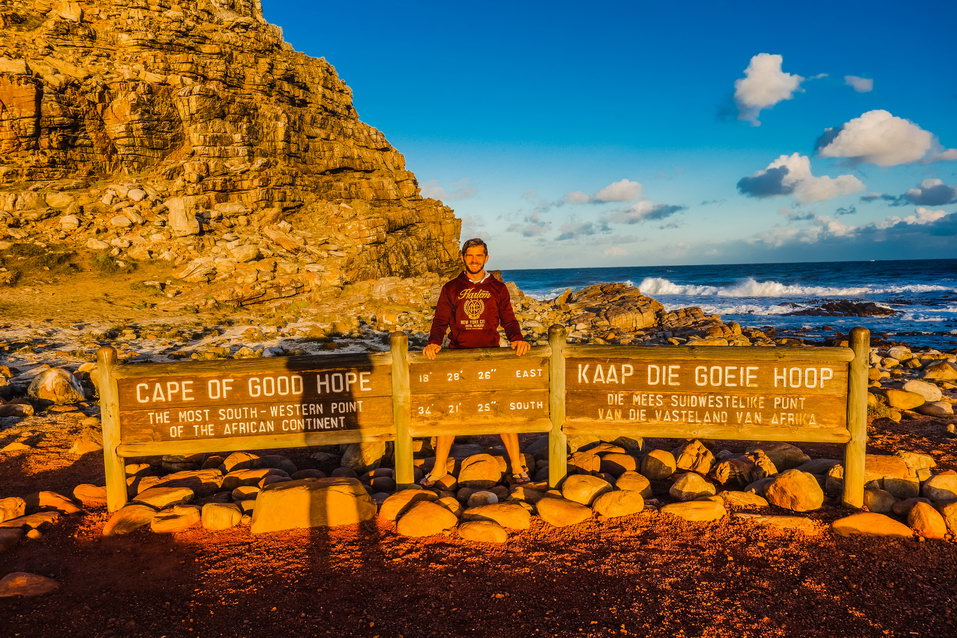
(637, 133)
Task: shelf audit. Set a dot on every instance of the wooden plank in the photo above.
(513, 373)
(401, 409)
(140, 426)
(689, 431)
(488, 426)
(557, 439)
(114, 467)
(715, 353)
(282, 441)
(452, 407)
(476, 354)
(855, 451)
(245, 366)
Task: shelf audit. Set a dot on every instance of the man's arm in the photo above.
(506, 317)
(440, 324)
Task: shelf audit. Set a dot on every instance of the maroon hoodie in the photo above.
(472, 313)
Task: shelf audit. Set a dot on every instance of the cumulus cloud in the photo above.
(576, 197)
(531, 226)
(764, 84)
(791, 175)
(624, 190)
(643, 211)
(461, 189)
(859, 84)
(932, 192)
(923, 223)
(574, 229)
(877, 137)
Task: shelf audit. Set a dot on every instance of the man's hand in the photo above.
(520, 347)
(431, 350)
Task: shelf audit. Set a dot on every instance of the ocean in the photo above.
(922, 293)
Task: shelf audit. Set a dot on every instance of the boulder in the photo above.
(818, 466)
(584, 488)
(940, 371)
(10, 538)
(52, 500)
(926, 521)
(696, 511)
(693, 456)
(937, 408)
(734, 472)
(483, 532)
(241, 461)
(732, 498)
(870, 524)
(26, 584)
(690, 486)
(482, 497)
(160, 497)
(584, 462)
(216, 516)
(129, 518)
(878, 500)
(394, 506)
(426, 518)
(792, 523)
(634, 482)
(941, 487)
(561, 512)
(12, 507)
(949, 512)
(480, 471)
(327, 502)
(784, 456)
(795, 490)
(658, 464)
(363, 456)
(176, 519)
(619, 503)
(617, 464)
(508, 515)
(903, 400)
(929, 391)
(885, 471)
(56, 385)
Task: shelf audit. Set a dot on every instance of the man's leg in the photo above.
(443, 446)
(515, 459)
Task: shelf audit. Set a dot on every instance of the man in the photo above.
(471, 307)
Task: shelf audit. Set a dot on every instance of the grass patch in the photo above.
(22, 260)
(107, 265)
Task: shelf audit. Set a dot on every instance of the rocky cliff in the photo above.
(190, 132)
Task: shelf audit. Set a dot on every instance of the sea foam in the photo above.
(750, 287)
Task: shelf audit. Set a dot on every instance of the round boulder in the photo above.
(561, 512)
(795, 490)
(658, 464)
(56, 385)
(480, 471)
(870, 524)
(690, 486)
(584, 488)
(619, 503)
(483, 532)
(941, 487)
(634, 482)
(926, 521)
(426, 518)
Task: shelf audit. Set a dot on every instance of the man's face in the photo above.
(474, 258)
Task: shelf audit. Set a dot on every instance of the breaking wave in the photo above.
(750, 287)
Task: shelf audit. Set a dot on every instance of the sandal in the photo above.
(428, 480)
(521, 478)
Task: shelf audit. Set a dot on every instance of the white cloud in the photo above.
(883, 139)
(921, 217)
(615, 251)
(791, 174)
(624, 190)
(764, 84)
(825, 228)
(644, 211)
(576, 197)
(461, 189)
(859, 84)
(531, 226)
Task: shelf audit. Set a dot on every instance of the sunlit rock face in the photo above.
(112, 113)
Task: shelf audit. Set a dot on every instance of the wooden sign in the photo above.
(498, 392)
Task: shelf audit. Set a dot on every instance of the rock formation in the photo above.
(190, 132)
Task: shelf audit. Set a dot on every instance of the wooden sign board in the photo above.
(500, 392)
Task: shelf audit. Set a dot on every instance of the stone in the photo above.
(202, 482)
(619, 503)
(362, 456)
(870, 524)
(217, 516)
(941, 487)
(878, 500)
(393, 507)
(949, 512)
(791, 523)
(241, 461)
(940, 371)
(9, 538)
(902, 508)
(903, 400)
(177, 518)
(733, 498)
(784, 456)
(508, 515)
(182, 221)
(482, 497)
(327, 502)
(52, 500)
(452, 504)
(426, 518)
(56, 385)
(88, 441)
(886, 471)
(21, 410)
(256, 476)
(795, 490)
(634, 482)
(480, 471)
(161, 497)
(526, 494)
(617, 464)
(584, 462)
(658, 464)
(917, 462)
(734, 472)
(693, 456)
(929, 391)
(937, 408)
(37, 520)
(12, 507)
(90, 496)
(690, 486)
(483, 532)
(584, 488)
(26, 584)
(560, 512)
(696, 511)
(926, 521)
(128, 518)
